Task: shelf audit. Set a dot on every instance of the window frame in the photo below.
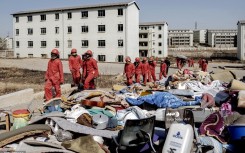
(17, 44)
(101, 13)
(101, 43)
(69, 43)
(29, 18)
(159, 44)
(120, 27)
(57, 15)
(43, 44)
(120, 44)
(17, 19)
(43, 17)
(69, 15)
(30, 31)
(69, 30)
(120, 12)
(57, 30)
(101, 58)
(30, 44)
(17, 32)
(84, 29)
(57, 42)
(85, 43)
(101, 28)
(43, 31)
(84, 14)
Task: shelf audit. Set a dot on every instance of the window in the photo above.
(101, 28)
(153, 35)
(17, 44)
(69, 43)
(29, 18)
(57, 30)
(84, 43)
(84, 28)
(120, 58)
(43, 17)
(69, 15)
(30, 31)
(17, 32)
(120, 11)
(101, 13)
(120, 27)
(43, 31)
(120, 43)
(30, 44)
(84, 14)
(57, 44)
(159, 36)
(159, 52)
(159, 27)
(43, 44)
(57, 16)
(17, 19)
(159, 44)
(101, 43)
(69, 29)
(101, 58)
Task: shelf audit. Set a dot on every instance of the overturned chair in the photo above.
(136, 136)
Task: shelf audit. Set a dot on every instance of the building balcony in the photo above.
(143, 39)
(144, 31)
(143, 47)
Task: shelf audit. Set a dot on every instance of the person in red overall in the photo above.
(189, 62)
(152, 65)
(163, 69)
(200, 62)
(75, 63)
(145, 69)
(192, 62)
(138, 69)
(90, 70)
(205, 65)
(54, 76)
(129, 71)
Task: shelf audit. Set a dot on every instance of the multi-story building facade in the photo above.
(241, 40)
(109, 30)
(222, 38)
(200, 36)
(180, 38)
(153, 39)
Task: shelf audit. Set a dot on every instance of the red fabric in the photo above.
(200, 63)
(54, 77)
(189, 62)
(152, 74)
(204, 67)
(75, 63)
(145, 69)
(138, 72)
(192, 63)
(90, 71)
(129, 70)
(163, 70)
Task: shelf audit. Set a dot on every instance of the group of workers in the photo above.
(54, 76)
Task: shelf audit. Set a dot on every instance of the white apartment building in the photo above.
(222, 38)
(153, 37)
(241, 40)
(180, 38)
(200, 36)
(109, 30)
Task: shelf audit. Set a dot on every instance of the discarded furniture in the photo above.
(5, 121)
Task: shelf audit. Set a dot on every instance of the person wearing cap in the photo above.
(145, 70)
(129, 70)
(90, 70)
(138, 69)
(54, 76)
(152, 65)
(75, 64)
(163, 69)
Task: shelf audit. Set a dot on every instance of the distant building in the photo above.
(9, 43)
(241, 40)
(180, 38)
(153, 39)
(111, 31)
(200, 36)
(222, 38)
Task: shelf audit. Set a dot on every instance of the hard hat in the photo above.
(151, 59)
(89, 52)
(73, 50)
(127, 59)
(137, 59)
(55, 51)
(144, 59)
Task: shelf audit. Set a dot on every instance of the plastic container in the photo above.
(20, 118)
(237, 132)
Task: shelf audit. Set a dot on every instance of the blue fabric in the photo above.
(162, 100)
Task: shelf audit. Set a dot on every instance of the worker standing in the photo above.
(138, 69)
(145, 70)
(54, 76)
(75, 64)
(152, 65)
(205, 65)
(163, 69)
(90, 70)
(129, 71)
(168, 64)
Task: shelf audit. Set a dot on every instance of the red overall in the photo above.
(152, 74)
(90, 72)
(200, 63)
(138, 72)
(54, 77)
(129, 70)
(145, 69)
(75, 63)
(204, 67)
(163, 70)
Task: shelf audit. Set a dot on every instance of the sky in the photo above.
(179, 14)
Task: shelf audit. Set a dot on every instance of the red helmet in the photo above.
(144, 59)
(89, 52)
(55, 51)
(127, 59)
(73, 50)
(137, 59)
(151, 59)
